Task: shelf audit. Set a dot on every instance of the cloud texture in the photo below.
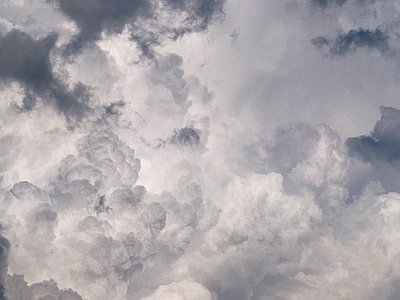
(188, 150)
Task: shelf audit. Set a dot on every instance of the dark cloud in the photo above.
(186, 137)
(97, 16)
(199, 14)
(326, 3)
(27, 61)
(383, 144)
(349, 42)
(113, 108)
(4, 249)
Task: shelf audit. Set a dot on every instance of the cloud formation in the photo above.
(205, 172)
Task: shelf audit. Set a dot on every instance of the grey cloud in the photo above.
(199, 14)
(27, 61)
(186, 136)
(326, 3)
(17, 288)
(383, 144)
(169, 72)
(94, 17)
(98, 16)
(4, 249)
(294, 143)
(103, 160)
(351, 41)
(113, 108)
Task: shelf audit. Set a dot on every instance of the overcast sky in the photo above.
(199, 149)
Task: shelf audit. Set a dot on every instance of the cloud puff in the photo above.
(383, 144)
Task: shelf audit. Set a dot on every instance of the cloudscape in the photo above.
(199, 149)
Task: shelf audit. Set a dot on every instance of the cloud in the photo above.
(94, 17)
(27, 61)
(234, 206)
(382, 145)
(326, 3)
(353, 40)
(4, 249)
(149, 23)
(17, 288)
(186, 137)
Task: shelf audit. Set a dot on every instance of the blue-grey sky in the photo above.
(199, 149)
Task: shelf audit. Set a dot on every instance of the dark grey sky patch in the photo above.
(351, 41)
(186, 136)
(27, 61)
(383, 144)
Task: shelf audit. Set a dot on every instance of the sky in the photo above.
(199, 149)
